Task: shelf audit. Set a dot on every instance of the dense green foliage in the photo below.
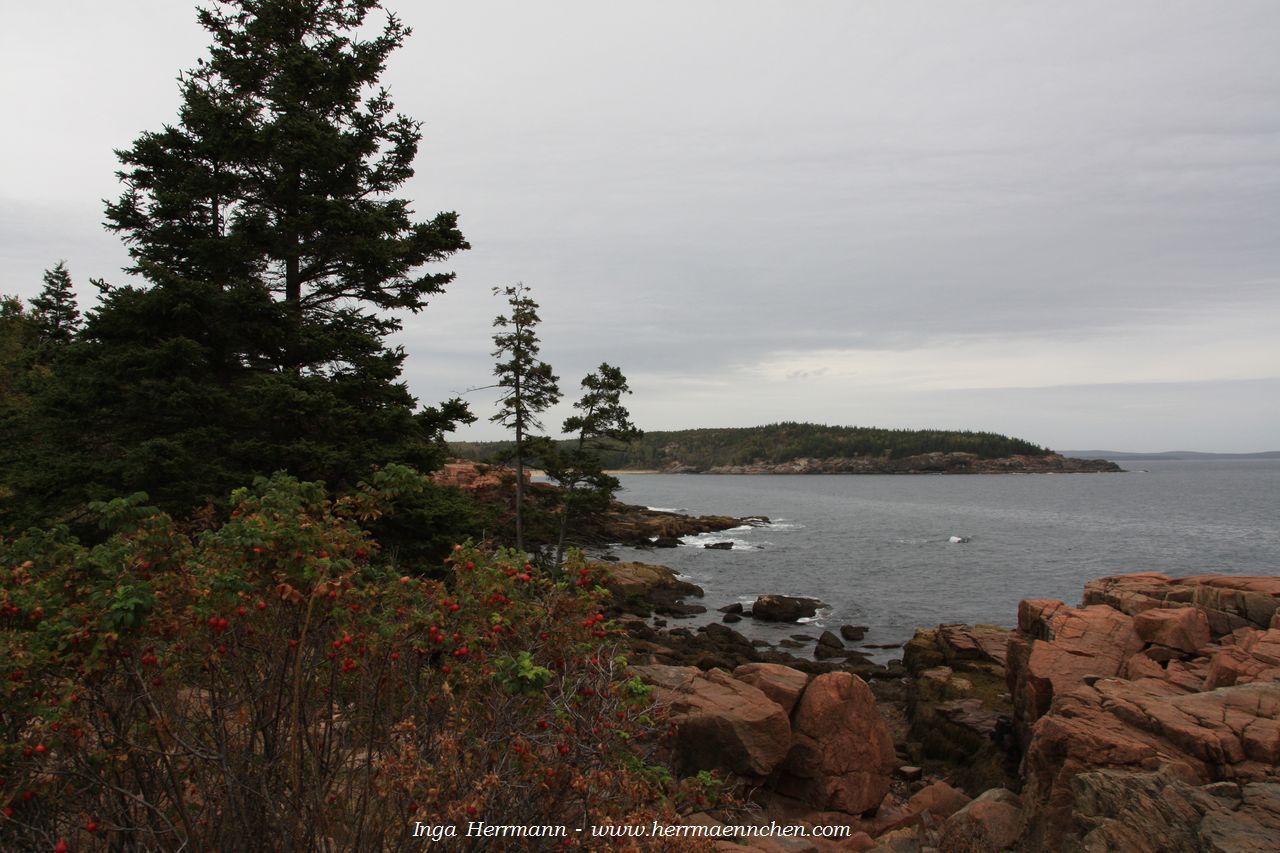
(263, 227)
(18, 334)
(275, 683)
(161, 393)
(701, 449)
(602, 423)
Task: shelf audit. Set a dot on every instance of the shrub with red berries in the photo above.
(275, 682)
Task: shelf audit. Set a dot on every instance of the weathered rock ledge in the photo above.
(621, 523)
(640, 526)
(1149, 715)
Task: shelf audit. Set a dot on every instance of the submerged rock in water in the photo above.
(785, 608)
(853, 633)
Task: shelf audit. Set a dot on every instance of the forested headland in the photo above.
(774, 444)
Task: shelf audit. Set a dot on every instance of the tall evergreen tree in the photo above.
(279, 173)
(264, 225)
(55, 312)
(529, 386)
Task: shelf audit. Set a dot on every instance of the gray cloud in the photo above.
(697, 189)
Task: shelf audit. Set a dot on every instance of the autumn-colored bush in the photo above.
(272, 684)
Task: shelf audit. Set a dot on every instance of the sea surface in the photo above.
(878, 549)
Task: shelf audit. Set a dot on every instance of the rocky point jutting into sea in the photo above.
(1143, 718)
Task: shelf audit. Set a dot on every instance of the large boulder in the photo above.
(973, 643)
(784, 608)
(933, 802)
(628, 580)
(992, 821)
(721, 723)
(1185, 629)
(842, 752)
(782, 684)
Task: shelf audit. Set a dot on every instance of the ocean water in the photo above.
(878, 549)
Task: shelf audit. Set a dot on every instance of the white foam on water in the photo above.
(701, 539)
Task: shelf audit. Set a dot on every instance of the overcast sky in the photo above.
(1055, 220)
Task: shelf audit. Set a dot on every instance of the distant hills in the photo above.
(1118, 455)
(775, 444)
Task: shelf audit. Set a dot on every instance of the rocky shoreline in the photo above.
(926, 463)
(1144, 719)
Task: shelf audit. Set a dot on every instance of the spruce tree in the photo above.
(602, 423)
(55, 312)
(270, 248)
(279, 174)
(529, 386)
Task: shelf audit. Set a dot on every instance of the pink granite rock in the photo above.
(1183, 628)
(992, 821)
(1228, 601)
(841, 752)
(1253, 656)
(780, 683)
(721, 723)
(1065, 646)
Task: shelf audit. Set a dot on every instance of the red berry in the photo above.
(91, 827)
(61, 846)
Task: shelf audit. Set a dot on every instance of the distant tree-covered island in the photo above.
(805, 448)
